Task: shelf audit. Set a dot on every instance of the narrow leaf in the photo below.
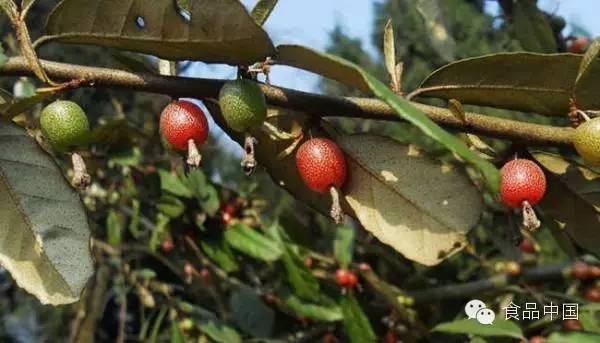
(343, 245)
(262, 10)
(172, 184)
(314, 311)
(518, 81)
(220, 252)
(252, 243)
(389, 52)
(176, 335)
(420, 207)
(209, 31)
(499, 328)
(45, 235)
(29, 53)
(572, 337)
(356, 321)
(587, 60)
(113, 228)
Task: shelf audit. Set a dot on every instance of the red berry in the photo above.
(188, 269)
(390, 337)
(522, 180)
(352, 280)
(308, 262)
(527, 246)
(321, 164)
(167, 246)
(342, 276)
(581, 270)
(593, 294)
(579, 45)
(537, 339)
(594, 272)
(181, 121)
(572, 325)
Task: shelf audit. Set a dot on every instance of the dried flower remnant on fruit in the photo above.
(523, 185)
(244, 108)
(322, 166)
(185, 127)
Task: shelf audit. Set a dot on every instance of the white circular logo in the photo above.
(486, 316)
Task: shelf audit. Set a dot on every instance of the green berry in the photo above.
(64, 124)
(243, 105)
(587, 141)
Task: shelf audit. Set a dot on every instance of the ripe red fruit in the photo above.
(594, 272)
(593, 294)
(572, 325)
(527, 246)
(579, 45)
(390, 337)
(581, 270)
(167, 246)
(181, 121)
(522, 180)
(188, 269)
(322, 166)
(346, 278)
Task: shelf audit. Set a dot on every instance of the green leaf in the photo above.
(518, 81)
(212, 31)
(331, 66)
(323, 64)
(590, 321)
(587, 61)
(531, 27)
(250, 313)
(252, 243)
(172, 184)
(114, 228)
(129, 158)
(18, 106)
(134, 223)
(328, 313)
(220, 252)
(161, 226)
(41, 218)
(134, 62)
(262, 10)
(204, 191)
(572, 198)
(176, 335)
(3, 58)
(389, 53)
(343, 245)
(220, 332)
(573, 337)
(500, 328)
(171, 206)
(356, 321)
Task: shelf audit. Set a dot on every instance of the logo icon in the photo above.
(476, 309)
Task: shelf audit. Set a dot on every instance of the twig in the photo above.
(314, 104)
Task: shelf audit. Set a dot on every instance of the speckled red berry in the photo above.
(522, 180)
(321, 164)
(182, 121)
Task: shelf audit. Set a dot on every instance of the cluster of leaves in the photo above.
(206, 253)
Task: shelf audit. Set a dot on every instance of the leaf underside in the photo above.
(541, 83)
(421, 208)
(216, 31)
(45, 237)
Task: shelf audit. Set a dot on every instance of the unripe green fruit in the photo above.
(587, 141)
(243, 105)
(64, 124)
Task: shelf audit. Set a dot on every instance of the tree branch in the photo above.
(492, 284)
(315, 104)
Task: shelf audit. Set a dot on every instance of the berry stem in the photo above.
(81, 179)
(530, 220)
(194, 157)
(249, 162)
(336, 209)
